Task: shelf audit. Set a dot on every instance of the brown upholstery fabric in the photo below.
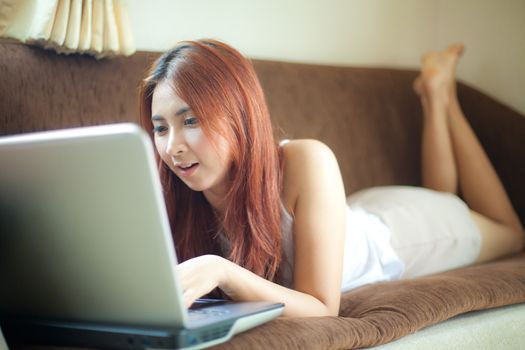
(41, 90)
(368, 116)
(379, 313)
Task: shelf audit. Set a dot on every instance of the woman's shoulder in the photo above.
(304, 160)
(305, 149)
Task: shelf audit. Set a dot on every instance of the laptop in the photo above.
(86, 253)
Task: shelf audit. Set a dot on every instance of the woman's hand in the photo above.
(201, 275)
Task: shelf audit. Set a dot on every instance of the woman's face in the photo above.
(184, 147)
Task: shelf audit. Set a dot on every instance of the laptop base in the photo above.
(19, 332)
(68, 334)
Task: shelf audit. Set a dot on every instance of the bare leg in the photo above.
(483, 191)
(453, 158)
(438, 166)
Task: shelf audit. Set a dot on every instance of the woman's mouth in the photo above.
(187, 169)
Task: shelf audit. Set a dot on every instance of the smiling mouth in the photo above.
(187, 169)
(186, 166)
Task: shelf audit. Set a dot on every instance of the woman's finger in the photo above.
(188, 297)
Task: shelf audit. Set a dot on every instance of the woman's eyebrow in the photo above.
(180, 112)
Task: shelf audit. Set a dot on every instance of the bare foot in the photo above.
(438, 73)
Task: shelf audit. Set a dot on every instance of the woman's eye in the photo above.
(159, 129)
(191, 121)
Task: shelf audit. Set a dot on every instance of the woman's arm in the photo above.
(314, 193)
(202, 274)
(242, 284)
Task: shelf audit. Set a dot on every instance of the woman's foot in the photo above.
(437, 80)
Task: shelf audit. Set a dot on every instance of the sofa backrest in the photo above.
(42, 90)
(370, 117)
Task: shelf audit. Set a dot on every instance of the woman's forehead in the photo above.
(165, 96)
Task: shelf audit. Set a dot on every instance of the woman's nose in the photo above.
(176, 144)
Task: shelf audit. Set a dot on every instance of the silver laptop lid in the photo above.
(84, 233)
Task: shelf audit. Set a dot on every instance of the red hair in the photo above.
(221, 88)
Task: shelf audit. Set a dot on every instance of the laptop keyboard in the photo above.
(201, 314)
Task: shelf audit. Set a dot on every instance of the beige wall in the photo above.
(390, 33)
(494, 32)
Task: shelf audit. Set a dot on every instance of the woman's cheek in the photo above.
(161, 150)
(197, 142)
(194, 135)
(160, 147)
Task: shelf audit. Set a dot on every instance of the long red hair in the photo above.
(221, 88)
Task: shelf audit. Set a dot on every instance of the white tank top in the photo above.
(368, 255)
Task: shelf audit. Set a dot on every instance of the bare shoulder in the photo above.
(306, 149)
(306, 162)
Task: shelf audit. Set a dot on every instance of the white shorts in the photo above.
(430, 231)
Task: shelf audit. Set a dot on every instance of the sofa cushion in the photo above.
(379, 313)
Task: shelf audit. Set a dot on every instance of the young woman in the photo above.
(263, 221)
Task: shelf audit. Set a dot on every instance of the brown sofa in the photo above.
(369, 117)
